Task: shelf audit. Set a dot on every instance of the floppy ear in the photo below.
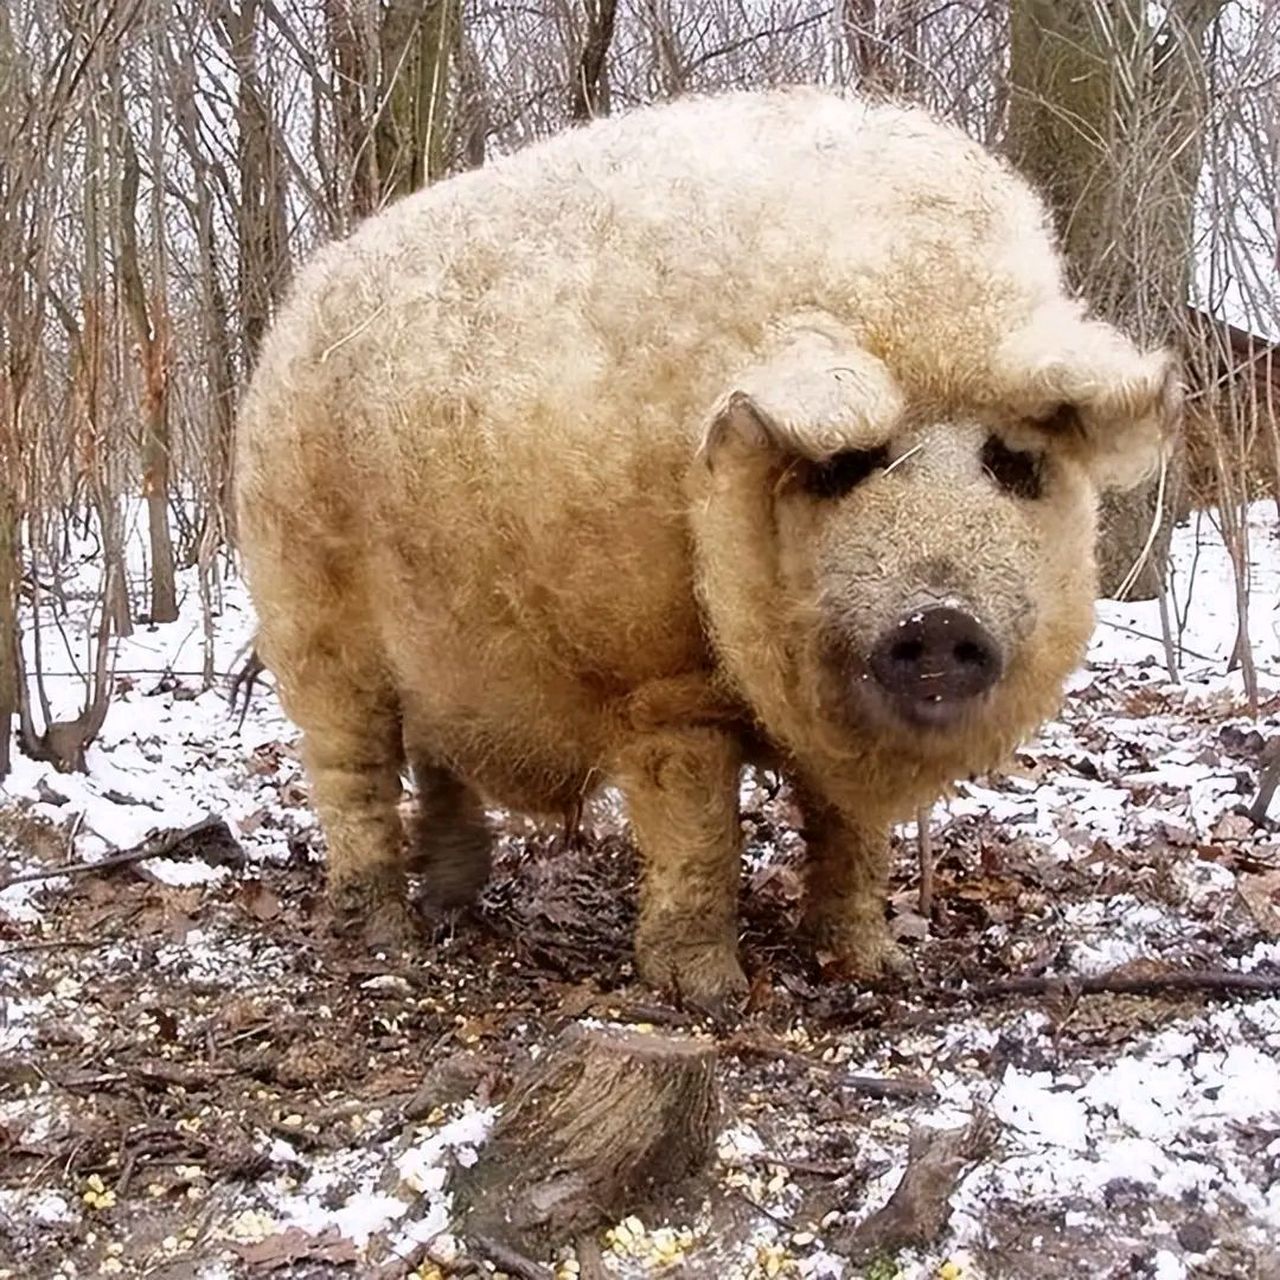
(1084, 384)
(813, 393)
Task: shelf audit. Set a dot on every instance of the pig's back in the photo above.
(484, 401)
(599, 287)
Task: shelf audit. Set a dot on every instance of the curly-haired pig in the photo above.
(756, 427)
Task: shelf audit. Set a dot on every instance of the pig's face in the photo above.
(951, 588)
(925, 563)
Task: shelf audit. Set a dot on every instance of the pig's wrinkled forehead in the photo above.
(1079, 383)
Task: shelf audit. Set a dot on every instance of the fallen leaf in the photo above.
(251, 822)
(293, 795)
(259, 901)
(1176, 835)
(577, 999)
(48, 795)
(265, 759)
(1233, 826)
(297, 1245)
(1261, 894)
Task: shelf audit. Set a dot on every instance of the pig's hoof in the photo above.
(376, 914)
(705, 977)
(861, 950)
(454, 863)
(451, 883)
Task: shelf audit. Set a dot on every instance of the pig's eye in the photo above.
(1015, 471)
(837, 475)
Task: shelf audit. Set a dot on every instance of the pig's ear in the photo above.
(814, 393)
(738, 423)
(1095, 395)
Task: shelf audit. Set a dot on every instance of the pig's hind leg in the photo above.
(450, 841)
(353, 753)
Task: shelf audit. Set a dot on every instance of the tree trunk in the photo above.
(1106, 116)
(416, 39)
(89, 341)
(150, 332)
(590, 94)
(603, 1124)
(261, 218)
(471, 118)
(9, 637)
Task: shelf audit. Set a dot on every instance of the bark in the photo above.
(590, 94)
(472, 117)
(220, 374)
(416, 39)
(9, 638)
(354, 106)
(1106, 116)
(920, 1207)
(261, 219)
(601, 1125)
(150, 332)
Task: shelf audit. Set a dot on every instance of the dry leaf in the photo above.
(1233, 826)
(296, 1245)
(251, 822)
(259, 901)
(1261, 894)
(293, 795)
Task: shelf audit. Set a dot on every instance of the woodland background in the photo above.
(199, 1077)
(166, 164)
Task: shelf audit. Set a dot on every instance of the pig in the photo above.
(759, 427)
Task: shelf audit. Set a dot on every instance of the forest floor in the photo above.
(197, 1079)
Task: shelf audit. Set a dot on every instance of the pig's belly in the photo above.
(526, 738)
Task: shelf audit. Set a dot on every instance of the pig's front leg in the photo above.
(681, 787)
(848, 887)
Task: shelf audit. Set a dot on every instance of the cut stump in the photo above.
(920, 1207)
(604, 1124)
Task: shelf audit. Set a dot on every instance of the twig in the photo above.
(786, 1223)
(157, 846)
(818, 1168)
(590, 1258)
(507, 1259)
(925, 904)
(244, 683)
(53, 944)
(1182, 648)
(1266, 784)
(658, 1015)
(1207, 980)
(871, 1086)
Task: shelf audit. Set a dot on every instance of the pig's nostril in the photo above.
(935, 660)
(908, 651)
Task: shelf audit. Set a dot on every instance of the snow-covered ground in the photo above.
(1137, 1135)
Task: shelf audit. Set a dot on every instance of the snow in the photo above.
(1135, 763)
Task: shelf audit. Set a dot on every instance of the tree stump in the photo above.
(604, 1123)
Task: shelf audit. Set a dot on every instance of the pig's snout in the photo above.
(932, 662)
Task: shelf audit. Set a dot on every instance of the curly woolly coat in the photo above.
(517, 497)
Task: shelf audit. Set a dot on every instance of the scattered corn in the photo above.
(97, 1195)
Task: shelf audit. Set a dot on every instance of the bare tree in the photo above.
(590, 96)
(163, 166)
(150, 325)
(416, 39)
(1107, 115)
